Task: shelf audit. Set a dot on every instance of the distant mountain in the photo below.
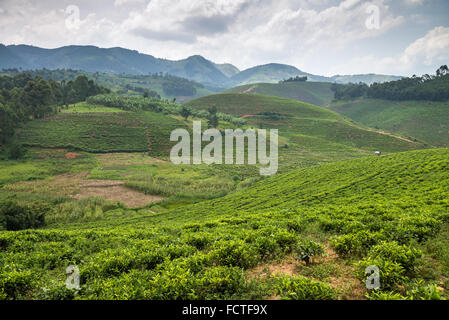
(8, 59)
(228, 69)
(272, 73)
(112, 60)
(120, 60)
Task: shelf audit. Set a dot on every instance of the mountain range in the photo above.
(119, 60)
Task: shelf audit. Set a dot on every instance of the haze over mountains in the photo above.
(119, 60)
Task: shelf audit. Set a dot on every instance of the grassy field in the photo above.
(424, 120)
(317, 93)
(305, 234)
(302, 124)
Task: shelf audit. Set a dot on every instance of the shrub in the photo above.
(419, 291)
(306, 249)
(355, 243)
(302, 288)
(15, 284)
(380, 295)
(392, 251)
(391, 273)
(235, 253)
(221, 282)
(17, 217)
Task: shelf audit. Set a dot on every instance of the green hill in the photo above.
(424, 120)
(317, 93)
(98, 129)
(388, 211)
(306, 126)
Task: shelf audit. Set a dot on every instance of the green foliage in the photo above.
(420, 291)
(17, 217)
(307, 249)
(391, 206)
(422, 120)
(23, 97)
(392, 251)
(235, 253)
(392, 274)
(16, 284)
(317, 93)
(433, 88)
(302, 288)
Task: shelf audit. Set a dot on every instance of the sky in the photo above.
(326, 37)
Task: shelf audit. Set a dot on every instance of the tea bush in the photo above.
(307, 249)
(302, 288)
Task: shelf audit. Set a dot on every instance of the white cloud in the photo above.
(319, 36)
(119, 3)
(430, 49)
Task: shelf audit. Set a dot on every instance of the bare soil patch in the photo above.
(72, 155)
(114, 190)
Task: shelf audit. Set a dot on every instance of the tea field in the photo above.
(305, 234)
(427, 121)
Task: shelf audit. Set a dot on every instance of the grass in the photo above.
(83, 107)
(208, 250)
(317, 93)
(424, 120)
(312, 134)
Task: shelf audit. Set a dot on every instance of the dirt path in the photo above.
(380, 132)
(246, 116)
(249, 90)
(374, 130)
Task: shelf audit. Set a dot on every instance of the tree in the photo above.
(185, 112)
(213, 119)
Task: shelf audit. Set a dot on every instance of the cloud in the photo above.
(430, 49)
(119, 3)
(314, 35)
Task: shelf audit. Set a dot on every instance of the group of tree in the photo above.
(24, 97)
(428, 87)
(295, 79)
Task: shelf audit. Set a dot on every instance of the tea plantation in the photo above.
(329, 222)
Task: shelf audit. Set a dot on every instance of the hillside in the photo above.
(317, 93)
(306, 128)
(228, 69)
(424, 120)
(243, 246)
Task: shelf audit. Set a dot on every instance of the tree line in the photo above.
(24, 97)
(428, 87)
(295, 79)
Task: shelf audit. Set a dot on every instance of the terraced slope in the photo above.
(427, 121)
(317, 93)
(99, 130)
